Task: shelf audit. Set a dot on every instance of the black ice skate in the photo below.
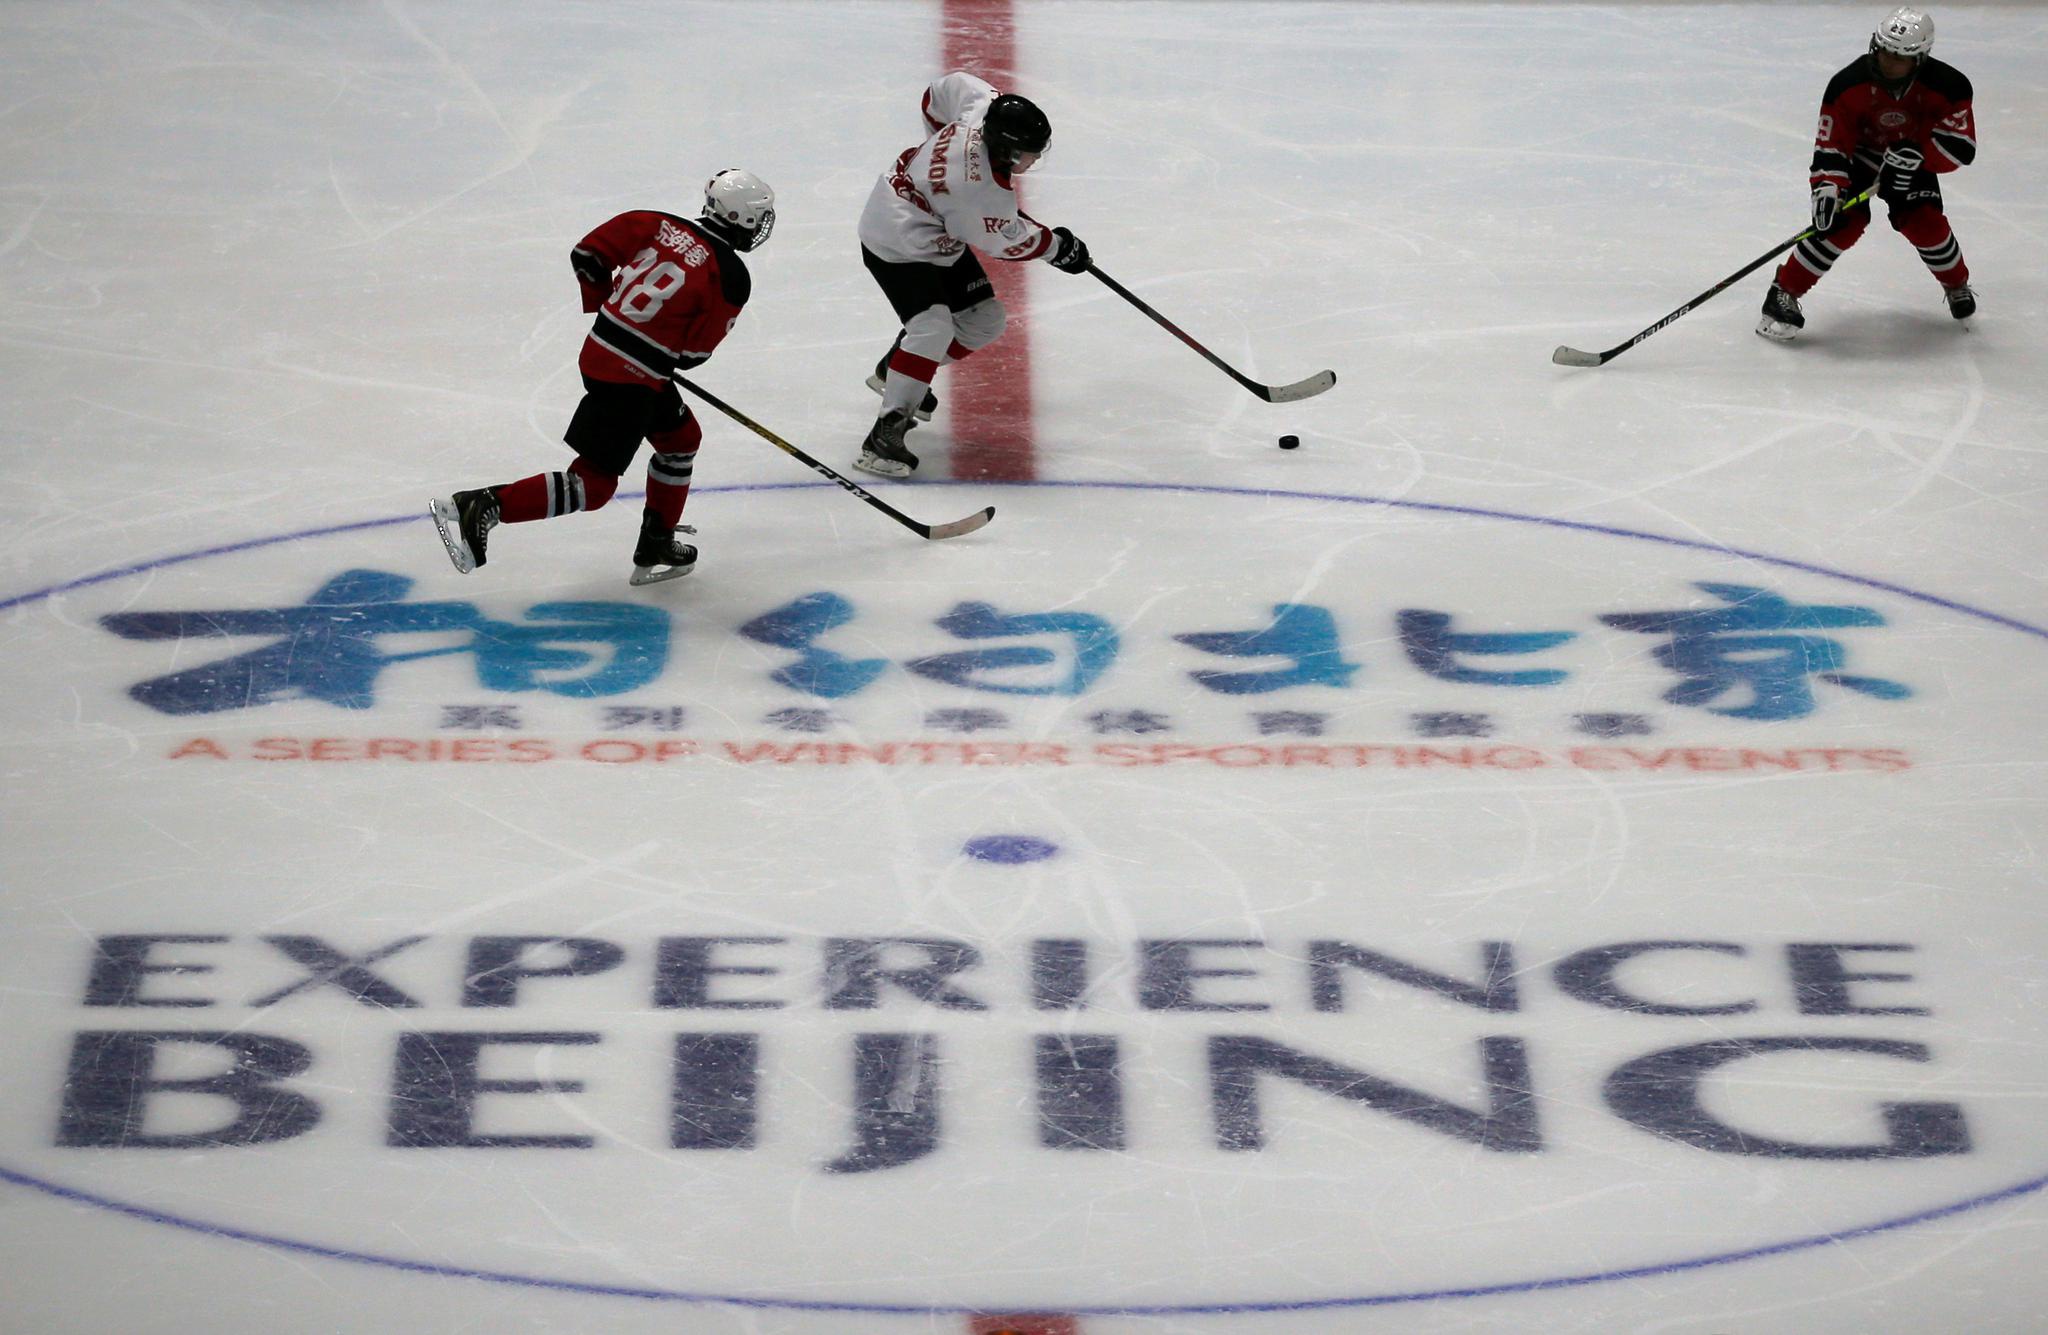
(1962, 302)
(883, 452)
(879, 382)
(1782, 319)
(465, 521)
(659, 556)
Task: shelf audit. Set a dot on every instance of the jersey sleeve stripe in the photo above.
(1957, 148)
(1038, 248)
(1830, 160)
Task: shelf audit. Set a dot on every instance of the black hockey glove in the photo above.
(1827, 200)
(1901, 164)
(1072, 253)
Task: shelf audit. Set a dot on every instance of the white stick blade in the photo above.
(1302, 389)
(1565, 356)
(960, 526)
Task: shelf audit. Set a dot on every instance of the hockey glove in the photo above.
(1827, 199)
(1901, 164)
(593, 276)
(1071, 256)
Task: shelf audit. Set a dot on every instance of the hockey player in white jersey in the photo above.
(937, 205)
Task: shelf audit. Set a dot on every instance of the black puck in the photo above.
(1290, 442)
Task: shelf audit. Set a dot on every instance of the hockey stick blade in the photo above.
(1565, 356)
(1294, 393)
(959, 526)
(1300, 389)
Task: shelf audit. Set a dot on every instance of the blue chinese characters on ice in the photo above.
(1717, 650)
(332, 647)
(1758, 655)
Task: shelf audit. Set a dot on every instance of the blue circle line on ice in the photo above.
(1835, 1238)
(300, 1247)
(1269, 493)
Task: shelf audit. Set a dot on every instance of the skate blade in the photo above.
(659, 574)
(877, 384)
(449, 525)
(1776, 331)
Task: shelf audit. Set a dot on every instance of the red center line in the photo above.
(990, 392)
(1023, 1325)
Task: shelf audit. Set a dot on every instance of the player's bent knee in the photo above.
(1924, 226)
(597, 487)
(927, 333)
(682, 441)
(981, 324)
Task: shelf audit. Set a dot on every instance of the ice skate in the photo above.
(883, 452)
(879, 382)
(1782, 319)
(465, 521)
(1962, 302)
(659, 556)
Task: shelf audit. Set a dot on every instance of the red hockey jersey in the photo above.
(1860, 118)
(677, 294)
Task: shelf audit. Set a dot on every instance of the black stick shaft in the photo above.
(1179, 333)
(922, 530)
(1728, 282)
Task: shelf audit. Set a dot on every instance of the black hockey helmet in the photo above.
(1014, 128)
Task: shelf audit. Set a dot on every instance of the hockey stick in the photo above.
(1300, 389)
(952, 530)
(1565, 356)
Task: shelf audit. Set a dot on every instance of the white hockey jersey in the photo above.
(945, 195)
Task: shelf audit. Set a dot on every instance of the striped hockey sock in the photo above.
(1944, 260)
(668, 485)
(545, 495)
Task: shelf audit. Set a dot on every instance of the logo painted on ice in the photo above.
(1756, 656)
(866, 1061)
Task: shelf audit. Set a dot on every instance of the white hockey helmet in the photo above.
(1906, 31)
(740, 206)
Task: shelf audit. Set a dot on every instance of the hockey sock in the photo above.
(1940, 253)
(1811, 259)
(545, 495)
(910, 378)
(668, 485)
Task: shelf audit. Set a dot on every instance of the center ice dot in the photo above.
(1010, 848)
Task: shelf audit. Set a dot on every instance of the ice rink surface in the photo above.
(1557, 852)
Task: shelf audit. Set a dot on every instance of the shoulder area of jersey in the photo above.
(739, 208)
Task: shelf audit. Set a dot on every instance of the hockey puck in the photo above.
(1290, 442)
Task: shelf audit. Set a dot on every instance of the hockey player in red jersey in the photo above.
(1897, 118)
(940, 202)
(666, 292)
